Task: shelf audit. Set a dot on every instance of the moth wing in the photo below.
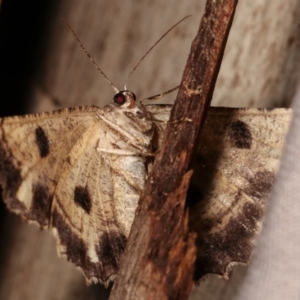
(234, 170)
(160, 115)
(51, 174)
(83, 211)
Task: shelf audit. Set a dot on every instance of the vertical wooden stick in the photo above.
(159, 257)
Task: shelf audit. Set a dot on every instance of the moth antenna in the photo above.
(159, 96)
(89, 56)
(125, 88)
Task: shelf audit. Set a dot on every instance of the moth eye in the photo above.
(119, 99)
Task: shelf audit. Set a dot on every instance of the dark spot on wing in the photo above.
(10, 175)
(111, 247)
(82, 198)
(260, 185)
(240, 135)
(77, 250)
(41, 204)
(42, 141)
(10, 180)
(233, 243)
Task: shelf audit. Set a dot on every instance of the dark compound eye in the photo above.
(119, 98)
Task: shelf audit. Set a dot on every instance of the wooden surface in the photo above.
(260, 69)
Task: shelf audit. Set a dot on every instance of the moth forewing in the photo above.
(79, 171)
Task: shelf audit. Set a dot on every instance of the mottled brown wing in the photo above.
(234, 171)
(51, 174)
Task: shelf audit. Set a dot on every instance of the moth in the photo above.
(80, 171)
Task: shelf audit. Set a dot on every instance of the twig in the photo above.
(159, 257)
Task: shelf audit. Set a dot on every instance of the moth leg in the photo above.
(118, 151)
(180, 120)
(173, 122)
(125, 152)
(159, 96)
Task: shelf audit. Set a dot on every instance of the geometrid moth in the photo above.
(80, 171)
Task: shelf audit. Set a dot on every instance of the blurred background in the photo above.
(42, 67)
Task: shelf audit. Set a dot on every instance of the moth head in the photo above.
(125, 99)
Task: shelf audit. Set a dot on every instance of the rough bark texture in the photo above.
(40, 64)
(159, 258)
